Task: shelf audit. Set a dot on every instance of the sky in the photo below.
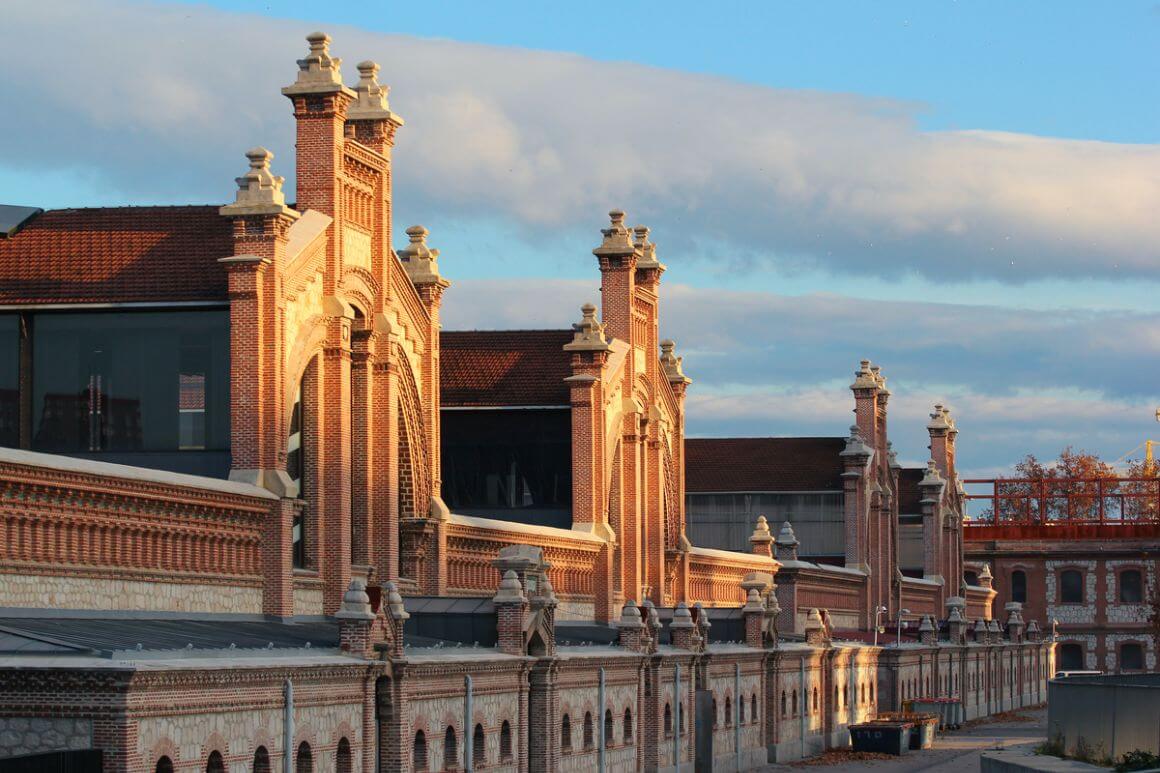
(968, 194)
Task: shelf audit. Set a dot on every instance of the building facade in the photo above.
(260, 511)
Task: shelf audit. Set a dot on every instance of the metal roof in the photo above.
(12, 217)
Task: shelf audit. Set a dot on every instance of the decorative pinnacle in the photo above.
(420, 260)
(356, 604)
(865, 377)
(259, 191)
(588, 333)
(371, 97)
(510, 590)
(786, 536)
(318, 72)
(761, 531)
(671, 364)
(932, 479)
(855, 446)
(940, 421)
(648, 250)
(630, 616)
(617, 238)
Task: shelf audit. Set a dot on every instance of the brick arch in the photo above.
(164, 747)
(215, 741)
(344, 730)
(360, 287)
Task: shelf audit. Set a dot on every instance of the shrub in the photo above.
(1138, 760)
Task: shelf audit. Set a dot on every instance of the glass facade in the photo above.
(726, 521)
(514, 465)
(9, 380)
(147, 388)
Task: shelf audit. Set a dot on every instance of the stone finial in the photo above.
(786, 543)
(753, 602)
(940, 420)
(932, 481)
(955, 616)
(617, 242)
(682, 618)
(866, 377)
(630, 616)
(510, 591)
(671, 364)
(856, 448)
(648, 250)
(892, 456)
(980, 630)
(761, 539)
(259, 191)
(395, 602)
(420, 260)
(986, 579)
(318, 72)
(927, 632)
(371, 97)
(588, 333)
(356, 604)
(815, 628)
(547, 594)
(1034, 633)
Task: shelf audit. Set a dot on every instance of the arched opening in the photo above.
(846, 695)
(215, 763)
(589, 731)
(1071, 587)
(566, 734)
(505, 742)
(1019, 586)
(342, 759)
(741, 710)
(728, 711)
(419, 751)
(261, 760)
(164, 765)
(668, 721)
(753, 717)
(304, 763)
(1131, 656)
(716, 719)
(609, 728)
(478, 746)
(1070, 657)
(450, 749)
(628, 737)
(1131, 587)
(793, 705)
(815, 695)
(784, 704)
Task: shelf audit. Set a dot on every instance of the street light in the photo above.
(878, 627)
(901, 612)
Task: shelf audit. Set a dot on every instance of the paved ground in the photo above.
(954, 751)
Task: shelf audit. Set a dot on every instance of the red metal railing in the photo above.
(1064, 507)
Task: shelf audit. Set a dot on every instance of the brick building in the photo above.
(260, 511)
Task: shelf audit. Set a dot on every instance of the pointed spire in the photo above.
(421, 261)
(318, 72)
(371, 97)
(671, 364)
(588, 333)
(259, 190)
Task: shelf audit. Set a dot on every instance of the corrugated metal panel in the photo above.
(725, 521)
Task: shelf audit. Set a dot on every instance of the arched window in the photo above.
(1070, 657)
(846, 695)
(871, 692)
(753, 708)
(1019, 586)
(589, 732)
(609, 728)
(728, 711)
(215, 763)
(419, 752)
(342, 760)
(971, 578)
(305, 759)
(716, 719)
(784, 713)
(261, 760)
(668, 721)
(566, 734)
(450, 749)
(628, 737)
(1131, 656)
(815, 711)
(1071, 587)
(505, 742)
(479, 746)
(862, 691)
(164, 765)
(1131, 587)
(793, 705)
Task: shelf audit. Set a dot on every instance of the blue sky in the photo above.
(966, 193)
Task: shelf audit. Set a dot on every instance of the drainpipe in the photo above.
(288, 728)
(468, 732)
(600, 723)
(678, 714)
(737, 713)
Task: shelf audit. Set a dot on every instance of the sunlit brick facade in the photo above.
(248, 562)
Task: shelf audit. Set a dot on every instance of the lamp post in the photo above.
(901, 612)
(877, 627)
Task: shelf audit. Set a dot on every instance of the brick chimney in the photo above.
(511, 609)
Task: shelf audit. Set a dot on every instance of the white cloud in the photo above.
(161, 100)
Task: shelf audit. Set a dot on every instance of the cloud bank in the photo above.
(165, 98)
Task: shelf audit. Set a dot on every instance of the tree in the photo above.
(1071, 487)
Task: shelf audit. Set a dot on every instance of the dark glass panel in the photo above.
(9, 380)
(1070, 657)
(1131, 657)
(1071, 587)
(1131, 587)
(132, 387)
(1019, 586)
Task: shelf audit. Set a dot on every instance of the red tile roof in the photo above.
(763, 464)
(117, 255)
(909, 497)
(504, 367)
